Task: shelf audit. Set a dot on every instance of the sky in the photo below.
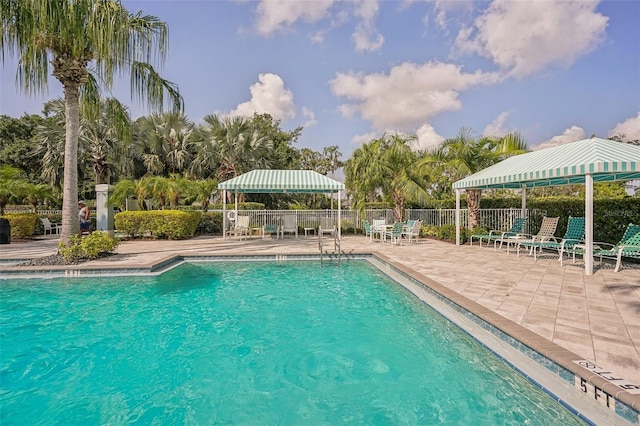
(349, 71)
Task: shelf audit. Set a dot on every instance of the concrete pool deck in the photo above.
(597, 317)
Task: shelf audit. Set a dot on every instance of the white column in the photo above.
(339, 218)
(524, 201)
(104, 211)
(457, 217)
(588, 223)
(224, 214)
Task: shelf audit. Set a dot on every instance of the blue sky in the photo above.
(347, 71)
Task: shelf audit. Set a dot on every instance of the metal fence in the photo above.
(489, 218)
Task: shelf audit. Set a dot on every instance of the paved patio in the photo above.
(597, 317)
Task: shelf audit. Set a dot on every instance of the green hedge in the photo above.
(23, 225)
(241, 206)
(169, 224)
(210, 224)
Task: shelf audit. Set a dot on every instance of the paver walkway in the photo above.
(596, 317)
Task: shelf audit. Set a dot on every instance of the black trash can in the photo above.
(5, 231)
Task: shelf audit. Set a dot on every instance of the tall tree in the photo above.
(229, 147)
(84, 42)
(164, 143)
(465, 154)
(385, 165)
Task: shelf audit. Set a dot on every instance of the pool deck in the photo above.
(595, 317)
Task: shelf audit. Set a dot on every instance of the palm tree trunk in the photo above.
(70, 225)
(473, 204)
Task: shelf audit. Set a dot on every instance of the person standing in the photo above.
(84, 215)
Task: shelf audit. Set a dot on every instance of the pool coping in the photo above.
(557, 355)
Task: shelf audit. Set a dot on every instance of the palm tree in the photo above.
(38, 193)
(165, 143)
(104, 139)
(202, 191)
(228, 147)
(85, 42)
(385, 165)
(464, 155)
(13, 185)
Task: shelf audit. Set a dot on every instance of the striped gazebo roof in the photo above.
(278, 181)
(604, 159)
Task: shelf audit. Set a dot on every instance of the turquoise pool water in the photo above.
(248, 343)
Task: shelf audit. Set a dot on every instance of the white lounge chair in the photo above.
(289, 225)
(412, 230)
(327, 226)
(49, 227)
(240, 228)
(546, 233)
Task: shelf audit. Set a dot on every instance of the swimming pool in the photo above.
(249, 343)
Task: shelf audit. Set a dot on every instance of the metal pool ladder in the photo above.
(337, 250)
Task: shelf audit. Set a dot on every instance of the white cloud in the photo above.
(311, 117)
(366, 38)
(274, 16)
(496, 127)
(408, 96)
(572, 134)
(277, 15)
(269, 96)
(523, 37)
(364, 138)
(427, 138)
(630, 127)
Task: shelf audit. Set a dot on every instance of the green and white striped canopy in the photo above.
(604, 159)
(278, 181)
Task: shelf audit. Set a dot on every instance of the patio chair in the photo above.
(49, 227)
(327, 226)
(289, 225)
(628, 246)
(395, 233)
(574, 235)
(412, 230)
(545, 233)
(271, 229)
(367, 230)
(494, 234)
(379, 227)
(240, 228)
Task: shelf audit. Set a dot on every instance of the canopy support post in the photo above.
(588, 222)
(224, 214)
(339, 217)
(457, 217)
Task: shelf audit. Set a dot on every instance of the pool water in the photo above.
(248, 343)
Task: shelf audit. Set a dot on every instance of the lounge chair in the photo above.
(271, 229)
(395, 233)
(545, 233)
(494, 234)
(49, 227)
(412, 230)
(240, 228)
(289, 225)
(327, 226)
(628, 246)
(574, 235)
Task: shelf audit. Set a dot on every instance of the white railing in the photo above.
(489, 218)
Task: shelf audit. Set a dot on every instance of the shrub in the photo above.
(89, 247)
(23, 225)
(210, 224)
(170, 224)
(428, 231)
